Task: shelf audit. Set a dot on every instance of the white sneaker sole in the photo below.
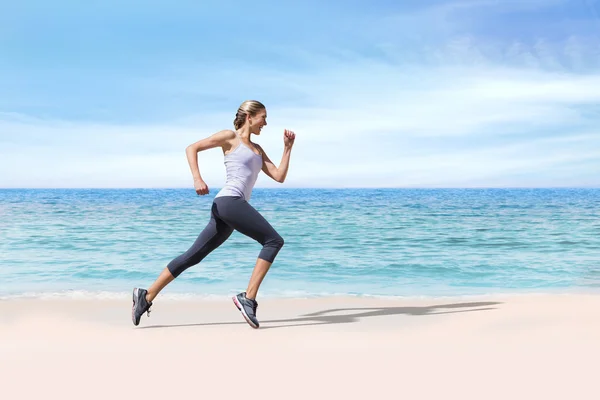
(136, 292)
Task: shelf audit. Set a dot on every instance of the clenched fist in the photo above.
(201, 187)
(288, 138)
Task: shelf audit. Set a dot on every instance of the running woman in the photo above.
(230, 208)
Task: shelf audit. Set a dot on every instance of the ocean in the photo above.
(358, 242)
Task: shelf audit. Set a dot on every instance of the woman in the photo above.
(230, 208)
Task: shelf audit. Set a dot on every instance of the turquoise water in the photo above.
(388, 242)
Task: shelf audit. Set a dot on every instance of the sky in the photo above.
(413, 93)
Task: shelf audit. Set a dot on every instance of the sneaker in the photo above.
(247, 307)
(140, 305)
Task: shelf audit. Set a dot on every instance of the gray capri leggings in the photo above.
(229, 213)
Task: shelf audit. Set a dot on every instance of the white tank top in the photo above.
(242, 166)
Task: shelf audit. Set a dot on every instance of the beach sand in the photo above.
(512, 347)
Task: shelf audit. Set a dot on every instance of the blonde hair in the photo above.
(248, 107)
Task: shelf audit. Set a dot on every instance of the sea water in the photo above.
(369, 242)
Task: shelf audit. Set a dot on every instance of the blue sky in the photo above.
(471, 93)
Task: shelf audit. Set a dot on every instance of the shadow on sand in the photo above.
(352, 315)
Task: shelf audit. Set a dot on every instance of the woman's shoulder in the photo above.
(227, 133)
(226, 136)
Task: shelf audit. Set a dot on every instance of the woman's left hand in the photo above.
(288, 138)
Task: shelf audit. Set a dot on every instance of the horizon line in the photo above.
(308, 187)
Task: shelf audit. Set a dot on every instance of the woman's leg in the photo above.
(244, 218)
(159, 284)
(213, 235)
(260, 270)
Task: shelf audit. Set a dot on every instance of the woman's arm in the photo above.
(219, 139)
(279, 173)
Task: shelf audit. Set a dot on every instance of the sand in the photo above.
(511, 347)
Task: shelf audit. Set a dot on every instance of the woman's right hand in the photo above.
(200, 187)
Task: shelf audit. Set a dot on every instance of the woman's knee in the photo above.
(271, 247)
(276, 241)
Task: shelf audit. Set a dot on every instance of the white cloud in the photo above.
(357, 134)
